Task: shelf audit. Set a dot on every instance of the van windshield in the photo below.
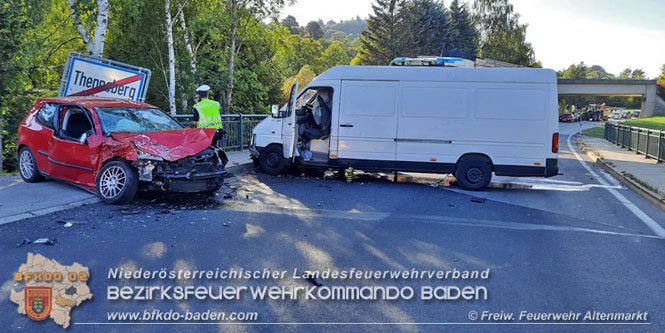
(135, 120)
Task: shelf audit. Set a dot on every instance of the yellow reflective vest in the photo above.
(209, 116)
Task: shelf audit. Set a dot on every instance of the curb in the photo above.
(645, 193)
(45, 211)
(242, 167)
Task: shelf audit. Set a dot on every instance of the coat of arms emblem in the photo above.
(38, 302)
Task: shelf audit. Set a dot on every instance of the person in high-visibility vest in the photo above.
(206, 114)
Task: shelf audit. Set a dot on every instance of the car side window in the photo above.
(46, 114)
(75, 123)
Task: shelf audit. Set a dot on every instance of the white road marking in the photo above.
(653, 225)
(308, 214)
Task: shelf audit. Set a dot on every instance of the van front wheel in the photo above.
(272, 161)
(473, 174)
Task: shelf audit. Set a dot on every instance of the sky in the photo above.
(615, 34)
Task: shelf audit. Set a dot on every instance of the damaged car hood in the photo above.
(170, 145)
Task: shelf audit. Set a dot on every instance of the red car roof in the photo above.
(91, 101)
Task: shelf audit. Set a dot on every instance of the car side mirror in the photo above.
(84, 138)
(275, 111)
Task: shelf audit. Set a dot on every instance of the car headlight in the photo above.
(145, 156)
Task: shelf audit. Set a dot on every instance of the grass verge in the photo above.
(596, 132)
(657, 123)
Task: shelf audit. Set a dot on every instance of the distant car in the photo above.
(567, 118)
(635, 114)
(116, 147)
(625, 114)
(615, 115)
(578, 116)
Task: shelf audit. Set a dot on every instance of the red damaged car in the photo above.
(116, 147)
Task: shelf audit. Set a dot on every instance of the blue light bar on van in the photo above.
(432, 62)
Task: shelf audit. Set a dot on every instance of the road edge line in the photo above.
(636, 187)
(646, 219)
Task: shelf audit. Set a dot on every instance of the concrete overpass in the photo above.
(652, 103)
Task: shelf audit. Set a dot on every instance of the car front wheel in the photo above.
(117, 183)
(28, 166)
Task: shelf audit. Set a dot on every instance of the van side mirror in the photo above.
(275, 111)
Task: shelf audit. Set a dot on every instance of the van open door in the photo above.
(289, 134)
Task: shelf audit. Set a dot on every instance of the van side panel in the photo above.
(440, 122)
(367, 122)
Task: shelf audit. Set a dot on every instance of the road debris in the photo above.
(45, 241)
(226, 224)
(478, 200)
(309, 275)
(328, 174)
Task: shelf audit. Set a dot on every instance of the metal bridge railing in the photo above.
(238, 128)
(649, 142)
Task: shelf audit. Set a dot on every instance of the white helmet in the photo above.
(204, 87)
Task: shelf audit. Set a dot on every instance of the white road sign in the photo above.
(89, 77)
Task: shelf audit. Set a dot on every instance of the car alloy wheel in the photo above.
(112, 182)
(26, 164)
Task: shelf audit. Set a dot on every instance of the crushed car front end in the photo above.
(203, 172)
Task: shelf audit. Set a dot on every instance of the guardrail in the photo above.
(645, 141)
(238, 128)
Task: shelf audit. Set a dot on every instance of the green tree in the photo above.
(334, 55)
(304, 77)
(313, 30)
(502, 37)
(379, 42)
(661, 78)
(638, 74)
(340, 36)
(291, 23)
(424, 28)
(576, 71)
(632, 74)
(464, 39)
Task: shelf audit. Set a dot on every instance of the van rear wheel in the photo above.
(473, 174)
(272, 161)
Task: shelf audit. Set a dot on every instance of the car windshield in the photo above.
(135, 120)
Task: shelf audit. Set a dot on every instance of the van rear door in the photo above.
(368, 123)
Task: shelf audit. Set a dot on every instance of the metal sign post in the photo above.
(86, 75)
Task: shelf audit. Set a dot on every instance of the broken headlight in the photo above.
(145, 156)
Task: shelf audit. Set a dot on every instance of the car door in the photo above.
(289, 134)
(70, 157)
(368, 123)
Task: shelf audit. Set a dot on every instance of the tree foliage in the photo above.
(661, 78)
(502, 37)
(314, 30)
(463, 41)
(380, 40)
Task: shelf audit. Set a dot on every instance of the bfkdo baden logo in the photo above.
(51, 290)
(38, 302)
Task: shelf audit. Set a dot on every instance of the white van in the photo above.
(466, 121)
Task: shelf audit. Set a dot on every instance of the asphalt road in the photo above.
(552, 245)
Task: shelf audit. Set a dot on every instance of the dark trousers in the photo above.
(217, 139)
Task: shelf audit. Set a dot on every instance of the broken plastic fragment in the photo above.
(478, 200)
(45, 241)
(312, 279)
